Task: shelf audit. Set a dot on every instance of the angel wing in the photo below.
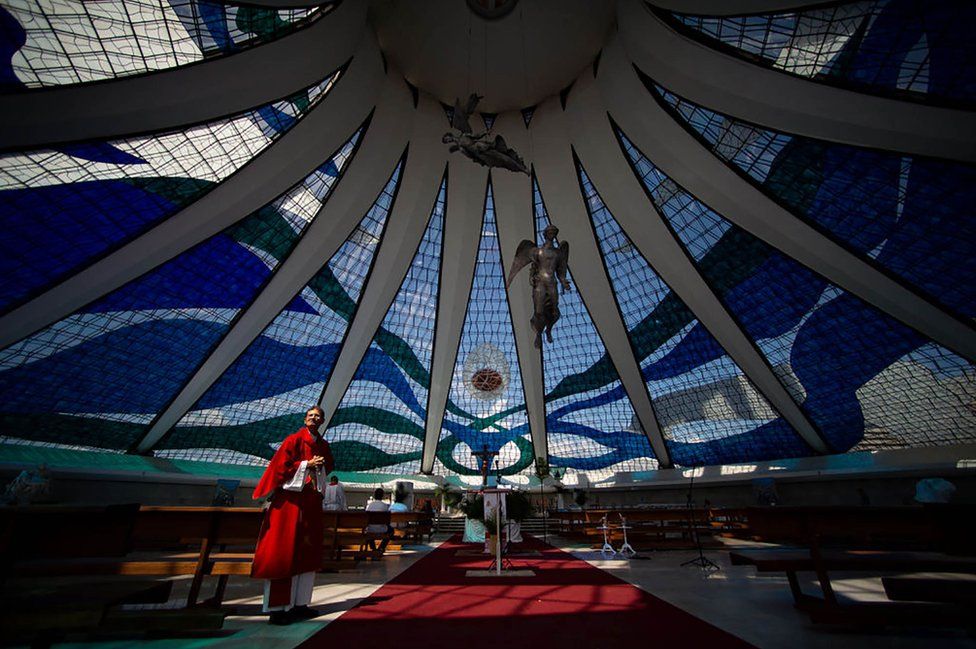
(473, 100)
(459, 119)
(523, 257)
(562, 263)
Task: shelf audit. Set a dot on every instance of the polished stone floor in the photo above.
(757, 608)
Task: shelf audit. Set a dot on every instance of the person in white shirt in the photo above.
(378, 505)
(333, 496)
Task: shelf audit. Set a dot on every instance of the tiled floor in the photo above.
(757, 608)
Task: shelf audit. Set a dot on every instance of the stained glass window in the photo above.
(590, 421)
(867, 381)
(100, 376)
(379, 425)
(904, 48)
(486, 383)
(50, 43)
(265, 393)
(708, 409)
(910, 215)
(60, 209)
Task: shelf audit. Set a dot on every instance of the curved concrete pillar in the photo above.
(556, 173)
(323, 130)
(361, 182)
(782, 101)
(621, 191)
(466, 194)
(682, 157)
(728, 7)
(405, 228)
(513, 214)
(191, 94)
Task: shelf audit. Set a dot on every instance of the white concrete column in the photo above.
(683, 158)
(622, 193)
(513, 214)
(322, 131)
(407, 222)
(192, 94)
(737, 87)
(466, 194)
(556, 173)
(727, 7)
(362, 181)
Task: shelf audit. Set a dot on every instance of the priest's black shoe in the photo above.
(304, 612)
(281, 618)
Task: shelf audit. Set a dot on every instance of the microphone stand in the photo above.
(701, 560)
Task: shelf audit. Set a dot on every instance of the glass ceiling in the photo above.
(52, 43)
(913, 50)
(99, 377)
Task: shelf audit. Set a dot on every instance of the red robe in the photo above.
(290, 541)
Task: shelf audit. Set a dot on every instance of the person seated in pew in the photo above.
(378, 504)
(289, 547)
(334, 497)
(398, 506)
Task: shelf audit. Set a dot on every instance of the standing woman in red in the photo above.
(289, 550)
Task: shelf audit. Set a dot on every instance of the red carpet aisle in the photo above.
(569, 604)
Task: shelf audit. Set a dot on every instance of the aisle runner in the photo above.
(568, 603)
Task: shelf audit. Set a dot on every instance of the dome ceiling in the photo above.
(515, 62)
(769, 216)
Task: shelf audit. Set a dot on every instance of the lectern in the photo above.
(495, 508)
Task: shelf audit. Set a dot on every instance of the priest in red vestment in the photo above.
(289, 549)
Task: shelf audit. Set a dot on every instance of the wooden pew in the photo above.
(146, 541)
(67, 569)
(652, 529)
(872, 540)
(957, 589)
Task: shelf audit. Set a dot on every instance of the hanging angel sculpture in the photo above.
(480, 147)
(549, 264)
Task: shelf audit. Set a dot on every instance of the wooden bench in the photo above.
(869, 540)
(651, 529)
(68, 569)
(956, 589)
(146, 541)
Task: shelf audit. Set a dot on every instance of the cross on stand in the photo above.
(486, 457)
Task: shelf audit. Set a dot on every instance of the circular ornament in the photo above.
(486, 373)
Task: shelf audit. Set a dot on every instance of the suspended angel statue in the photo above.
(480, 147)
(549, 263)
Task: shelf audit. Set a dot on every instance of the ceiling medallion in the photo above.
(486, 373)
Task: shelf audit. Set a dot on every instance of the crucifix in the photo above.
(485, 456)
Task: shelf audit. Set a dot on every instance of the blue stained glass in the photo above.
(867, 381)
(910, 215)
(117, 362)
(708, 410)
(379, 424)
(284, 371)
(904, 48)
(590, 421)
(486, 380)
(59, 43)
(62, 209)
